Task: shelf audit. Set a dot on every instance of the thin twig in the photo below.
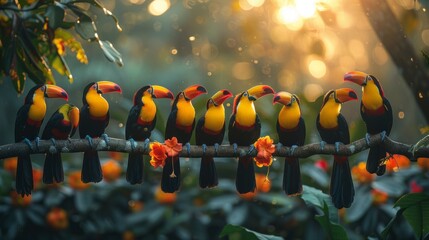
(121, 145)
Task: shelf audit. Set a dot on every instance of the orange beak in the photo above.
(52, 91)
(161, 92)
(343, 95)
(283, 97)
(74, 116)
(107, 87)
(194, 91)
(356, 77)
(259, 91)
(221, 96)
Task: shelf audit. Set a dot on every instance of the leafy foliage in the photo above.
(244, 233)
(34, 38)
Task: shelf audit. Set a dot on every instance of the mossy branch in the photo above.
(121, 145)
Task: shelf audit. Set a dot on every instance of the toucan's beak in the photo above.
(161, 92)
(53, 91)
(74, 116)
(107, 87)
(194, 91)
(356, 77)
(343, 95)
(221, 96)
(259, 91)
(283, 97)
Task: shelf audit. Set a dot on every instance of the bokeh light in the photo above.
(159, 7)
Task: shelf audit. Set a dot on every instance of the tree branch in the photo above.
(120, 145)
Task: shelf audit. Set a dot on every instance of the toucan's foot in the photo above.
(337, 146)
(28, 142)
(383, 135)
(235, 147)
(133, 144)
(146, 145)
(322, 145)
(216, 148)
(251, 149)
(89, 139)
(204, 147)
(37, 141)
(292, 149)
(105, 138)
(367, 139)
(53, 149)
(279, 146)
(188, 148)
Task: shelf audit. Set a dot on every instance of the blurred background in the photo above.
(303, 47)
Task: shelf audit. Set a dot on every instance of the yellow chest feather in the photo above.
(148, 111)
(185, 113)
(371, 98)
(98, 106)
(215, 118)
(246, 113)
(329, 114)
(38, 109)
(289, 116)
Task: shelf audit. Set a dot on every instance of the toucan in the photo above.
(29, 118)
(291, 130)
(140, 123)
(244, 128)
(210, 131)
(61, 126)
(377, 114)
(333, 129)
(94, 118)
(180, 124)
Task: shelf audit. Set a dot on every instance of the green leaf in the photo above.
(243, 233)
(111, 53)
(59, 64)
(416, 212)
(106, 12)
(334, 231)
(315, 197)
(55, 15)
(85, 27)
(415, 208)
(361, 204)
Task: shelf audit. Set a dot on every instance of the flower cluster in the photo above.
(159, 152)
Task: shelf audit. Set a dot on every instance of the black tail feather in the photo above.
(375, 156)
(245, 180)
(53, 169)
(91, 167)
(24, 175)
(135, 168)
(342, 190)
(292, 184)
(208, 174)
(170, 181)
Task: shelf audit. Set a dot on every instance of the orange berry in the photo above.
(10, 164)
(20, 201)
(111, 170)
(263, 184)
(75, 182)
(57, 218)
(379, 197)
(423, 163)
(164, 198)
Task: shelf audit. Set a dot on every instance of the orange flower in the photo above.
(423, 163)
(136, 205)
(164, 198)
(57, 218)
(157, 154)
(172, 147)
(379, 197)
(263, 184)
(118, 156)
(265, 148)
(361, 175)
(248, 196)
(75, 181)
(111, 170)
(396, 162)
(10, 164)
(18, 200)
